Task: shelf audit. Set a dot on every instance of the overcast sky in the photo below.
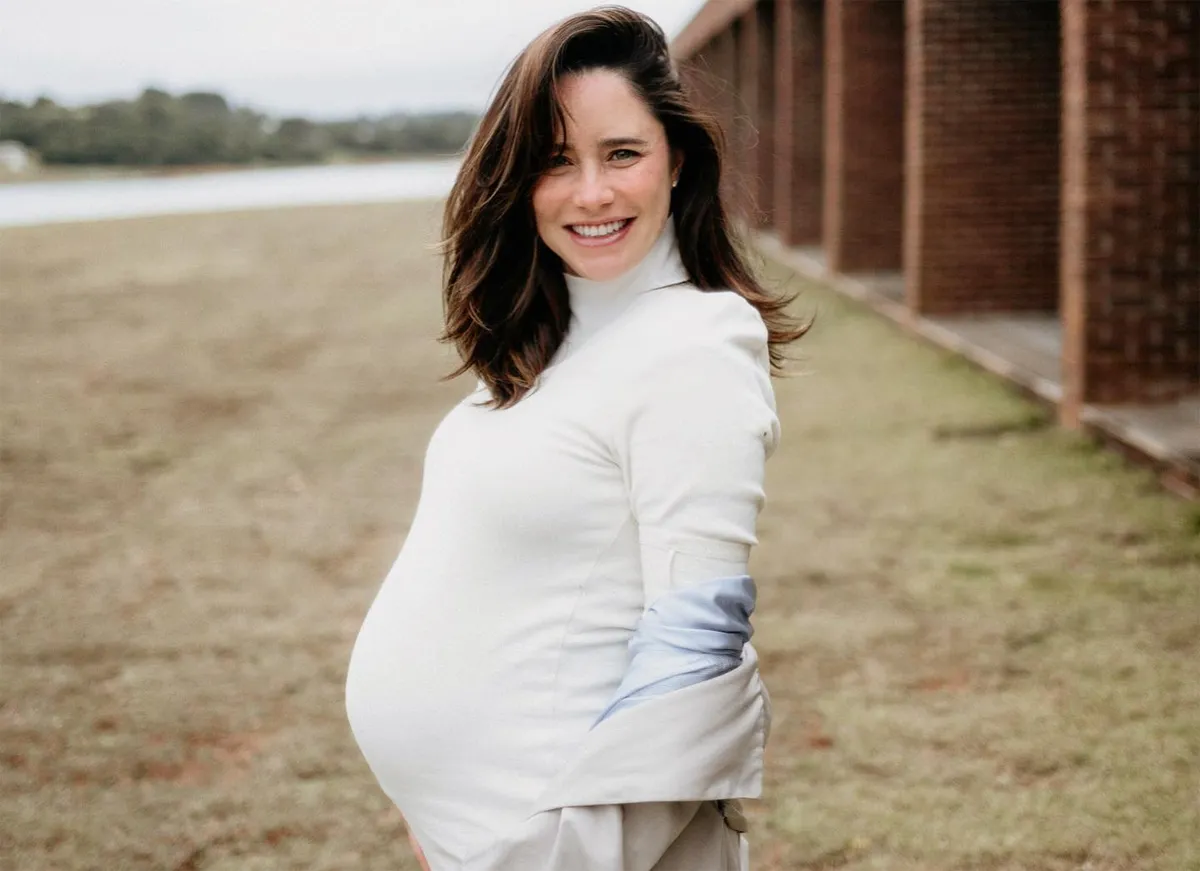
(322, 58)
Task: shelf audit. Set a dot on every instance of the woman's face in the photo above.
(606, 197)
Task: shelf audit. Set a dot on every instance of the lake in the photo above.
(101, 199)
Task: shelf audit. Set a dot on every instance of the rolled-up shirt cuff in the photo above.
(690, 634)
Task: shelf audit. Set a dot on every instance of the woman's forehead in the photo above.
(589, 97)
(601, 107)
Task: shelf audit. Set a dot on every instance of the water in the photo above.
(102, 199)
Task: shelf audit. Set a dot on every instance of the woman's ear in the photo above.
(676, 165)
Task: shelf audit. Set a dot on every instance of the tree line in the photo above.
(160, 129)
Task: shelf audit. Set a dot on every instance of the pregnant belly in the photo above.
(452, 705)
(472, 679)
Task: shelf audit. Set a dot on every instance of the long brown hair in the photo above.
(505, 300)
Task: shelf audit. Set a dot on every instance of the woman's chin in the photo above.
(608, 262)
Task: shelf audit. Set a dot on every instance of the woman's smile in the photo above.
(596, 235)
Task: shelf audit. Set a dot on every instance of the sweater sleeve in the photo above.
(693, 446)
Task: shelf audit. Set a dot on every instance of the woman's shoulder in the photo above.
(697, 355)
(685, 321)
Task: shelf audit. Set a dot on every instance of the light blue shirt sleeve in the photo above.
(689, 635)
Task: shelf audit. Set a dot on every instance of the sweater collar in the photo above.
(660, 267)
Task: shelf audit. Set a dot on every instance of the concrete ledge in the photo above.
(1167, 434)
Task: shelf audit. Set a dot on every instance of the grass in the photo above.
(980, 633)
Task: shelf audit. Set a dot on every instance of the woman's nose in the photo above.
(593, 190)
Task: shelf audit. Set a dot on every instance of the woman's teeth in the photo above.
(595, 230)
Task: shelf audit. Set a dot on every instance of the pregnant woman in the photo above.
(556, 674)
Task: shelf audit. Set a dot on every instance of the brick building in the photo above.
(1018, 180)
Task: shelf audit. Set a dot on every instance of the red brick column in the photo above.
(864, 134)
(746, 147)
(710, 76)
(720, 56)
(691, 74)
(757, 86)
(722, 68)
(1131, 213)
(799, 120)
(765, 118)
(982, 156)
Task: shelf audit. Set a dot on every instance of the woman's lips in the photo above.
(600, 241)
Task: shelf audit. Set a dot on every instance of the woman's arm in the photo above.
(693, 443)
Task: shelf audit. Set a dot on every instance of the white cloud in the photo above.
(324, 57)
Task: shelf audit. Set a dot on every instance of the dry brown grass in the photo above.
(981, 634)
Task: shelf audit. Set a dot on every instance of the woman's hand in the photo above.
(418, 851)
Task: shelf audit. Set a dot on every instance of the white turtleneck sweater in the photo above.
(542, 534)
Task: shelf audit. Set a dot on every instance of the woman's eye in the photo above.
(624, 154)
(557, 161)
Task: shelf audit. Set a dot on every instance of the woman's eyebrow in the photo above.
(620, 141)
(611, 142)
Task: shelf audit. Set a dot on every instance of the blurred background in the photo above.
(144, 89)
(979, 562)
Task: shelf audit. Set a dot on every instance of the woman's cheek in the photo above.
(646, 179)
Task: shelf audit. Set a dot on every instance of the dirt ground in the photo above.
(981, 634)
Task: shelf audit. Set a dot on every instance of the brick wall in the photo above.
(864, 134)
(708, 74)
(695, 72)
(1131, 219)
(764, 110)
(746, 149)
(756, 69)
(799, 120)
(711, 18)
(982, 156)
(724, 66)
(692, 76)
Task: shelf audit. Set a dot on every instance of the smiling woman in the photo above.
(606, 194)
(547, 154)
(556, 673)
